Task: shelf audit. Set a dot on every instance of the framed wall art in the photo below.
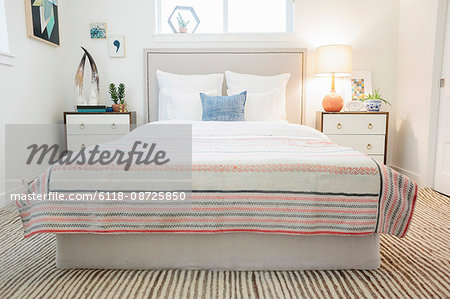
(361, 84)
(43, 20)
(116, 46)
(98, 30)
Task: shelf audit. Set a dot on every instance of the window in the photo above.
(233, 16)
(4, 44)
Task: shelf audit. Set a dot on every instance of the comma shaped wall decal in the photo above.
(117, 45)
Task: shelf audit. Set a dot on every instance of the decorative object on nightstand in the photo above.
(354, 106)
(89, 108)
(361, 85)
(334, 61)
(364, 131)
(118, 97)
(373, 101)
(79, 78)
(86, 129)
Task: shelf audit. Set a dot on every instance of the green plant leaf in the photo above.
(181, 21)
(121, 91)
(376, 96)
(113, 93)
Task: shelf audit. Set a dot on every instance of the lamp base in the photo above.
(332, 102)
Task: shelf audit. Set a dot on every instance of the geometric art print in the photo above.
(358, 89)
(43, 20)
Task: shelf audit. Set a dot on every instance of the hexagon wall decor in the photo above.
(182, 20)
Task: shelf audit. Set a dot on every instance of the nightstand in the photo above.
(87, 128)
(364, 131)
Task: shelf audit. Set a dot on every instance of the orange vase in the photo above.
(332, 102)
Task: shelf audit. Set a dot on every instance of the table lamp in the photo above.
(334, 61)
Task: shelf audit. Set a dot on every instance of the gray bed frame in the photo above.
(231, 251)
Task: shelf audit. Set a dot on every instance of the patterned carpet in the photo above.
(417, 266)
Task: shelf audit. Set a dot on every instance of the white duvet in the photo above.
(241, 128)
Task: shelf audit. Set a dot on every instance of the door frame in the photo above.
(436, 90)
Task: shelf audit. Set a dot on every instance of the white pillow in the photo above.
(187, 83)
(261, 106)
(184, 105)
(261, 84)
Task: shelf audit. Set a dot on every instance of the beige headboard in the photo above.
(206, 61)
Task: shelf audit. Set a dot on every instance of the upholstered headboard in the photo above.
(207, 61)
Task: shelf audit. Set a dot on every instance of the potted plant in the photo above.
(373, 101)
(118, 97)
(114, 97)
(182, 24)
(121, 95)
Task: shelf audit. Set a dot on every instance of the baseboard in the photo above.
(4, 197)
(412, 175)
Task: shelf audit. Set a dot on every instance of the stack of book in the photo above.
(91, 108)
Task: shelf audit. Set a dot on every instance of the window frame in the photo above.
(289, 28)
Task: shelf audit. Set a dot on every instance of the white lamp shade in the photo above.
(334, 59)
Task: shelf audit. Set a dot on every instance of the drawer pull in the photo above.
(369, 146)
(83, 146)
(370, 126)
(81, 126)
(113, 126)
(339, 126)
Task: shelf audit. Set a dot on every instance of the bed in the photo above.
(264, 195)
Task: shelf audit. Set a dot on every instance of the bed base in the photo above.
(233, 251)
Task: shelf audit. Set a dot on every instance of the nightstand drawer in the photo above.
(77, 142)
(354, 124)
(367, 144)
(97, 124)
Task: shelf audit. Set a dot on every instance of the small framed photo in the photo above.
(116, 45)
(361, 83)
(98, 30)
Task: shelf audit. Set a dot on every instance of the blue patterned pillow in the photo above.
(221, 108)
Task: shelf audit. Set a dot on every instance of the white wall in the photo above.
(32, 90)
(421, 29)
(135, 21)
(40, 85)
(370, 26)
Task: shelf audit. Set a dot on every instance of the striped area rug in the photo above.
(417, 266)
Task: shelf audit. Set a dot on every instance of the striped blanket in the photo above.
(246, 177)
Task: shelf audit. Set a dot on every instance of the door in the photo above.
(442, 166)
